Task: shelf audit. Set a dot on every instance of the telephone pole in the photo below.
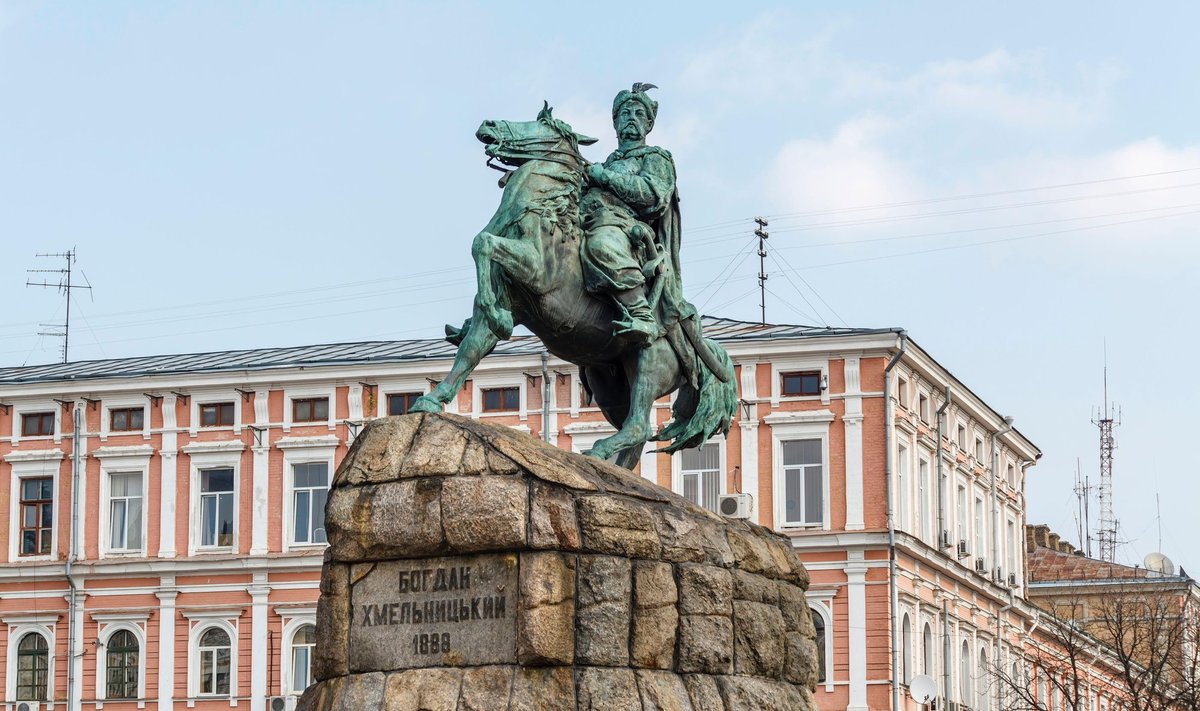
(762, 234)
(64, 285)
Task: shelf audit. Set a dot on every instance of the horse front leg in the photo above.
(520, 259)
(477, 341)
(656, 372)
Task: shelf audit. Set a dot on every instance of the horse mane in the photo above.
(563, 128)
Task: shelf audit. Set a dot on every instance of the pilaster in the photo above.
(856, 623)
(261, 452)
(166, 644)
(167, 478)
(748, 426)
(259, 662)
(852, 422)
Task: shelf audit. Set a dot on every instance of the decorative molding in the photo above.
(799, 417)
(143, 451)
(224, 446)
(34, 455)
(307, 442)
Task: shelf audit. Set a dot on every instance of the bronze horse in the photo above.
(527, 262)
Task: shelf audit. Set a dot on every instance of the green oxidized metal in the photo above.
(586, 256)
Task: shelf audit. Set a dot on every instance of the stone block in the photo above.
(546, 618)
(378, 452)
(359, 691)
(745, 692)
(797, 616)
(603, 602)
(802, 662)
(481, 513)
(552, 520)
(543, 689)
(333, 619)
(484, 687)
(751, 551)
(687, 538)
(758, 639)
(655, 617)
(663, 691)
(755, 588)
(705, 590)
(618, 527)
(365, 523)
(705, 644)
(703, 691)
(437, 448)
(423, 690)
(607, 689)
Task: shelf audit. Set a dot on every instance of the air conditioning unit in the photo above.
(981, 566)
(945, 540)
(734, 505)
(963, 549)
(277, 703)
(998, 575)
(1012, 581)
(26, 706)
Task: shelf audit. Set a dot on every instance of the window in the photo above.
(37, 515)
(983, 697)
(701, 474)
(310, 409)
(310, 488)
(37, 424)
(803, 383)
(303, 643)
(214, 662)
(126, 419)
(923, 407)
(33, 667)
(925, 525)
(121, 659)
(216, 508)
(400, 403)
(803, 482)
(927, 650)
(216, 414)
(903, 483)
(819, 626)
(906, 660)
(979, 454)
(125, 511)
(965, 690)
(979, 529)
(1010, 542)
(902, 392)
(1012, 476)
(961, 438)
(502, 399)
(962, 513)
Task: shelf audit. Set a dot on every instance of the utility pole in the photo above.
(65, 286)
(1106, 419)
(762, 234)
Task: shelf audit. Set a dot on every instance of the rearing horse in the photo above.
(527, 263)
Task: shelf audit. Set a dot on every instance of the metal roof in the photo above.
(720, 329)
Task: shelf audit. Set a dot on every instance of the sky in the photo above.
(1017, 184)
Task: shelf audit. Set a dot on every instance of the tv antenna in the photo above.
(64, 285)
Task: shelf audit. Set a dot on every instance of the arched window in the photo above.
(965, 687)
(819, 625)
(214, 662)
(927, 650)
(121, 659)
(303, 642)
(906, 641)
(983, 696)
(33, 666)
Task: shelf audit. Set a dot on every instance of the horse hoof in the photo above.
(425, 404)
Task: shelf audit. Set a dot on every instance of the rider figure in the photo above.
(628, 195)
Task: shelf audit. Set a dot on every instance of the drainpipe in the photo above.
(943, 529)
(996, 654)
(73, 553)
(1008, 427)
(545, 396)
(945, 654)
(894, 599)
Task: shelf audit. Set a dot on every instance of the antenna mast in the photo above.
(762, 234)
(1083, 493)
(60, 330)
(1106, 418)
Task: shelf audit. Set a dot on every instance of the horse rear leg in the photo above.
(477, 341)
(655, 373)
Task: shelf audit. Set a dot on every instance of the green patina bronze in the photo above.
(586, 255)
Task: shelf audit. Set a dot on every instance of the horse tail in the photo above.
(702, 410)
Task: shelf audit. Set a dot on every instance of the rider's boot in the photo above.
(640, 325)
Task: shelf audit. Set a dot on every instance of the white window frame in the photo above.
(212, 397)
(304, 392)
(110, 624)
(213, 455)
(31, 465)
(203, 624)
(17, 632)
(798, 365)
(120, 402)
(797, 426)
(293, 620)
(499, 380)
(722, 471)
(122, 460)
(28, 408)
(904, 484)
(821, 600)
(397, 386)
(926, 527)
(302, 450)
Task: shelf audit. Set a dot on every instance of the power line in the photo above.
(800, 293)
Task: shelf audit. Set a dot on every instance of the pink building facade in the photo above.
(202, 479)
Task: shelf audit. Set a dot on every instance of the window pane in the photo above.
(302, 410)
(120, 420)
(213, 480)
(399, 403)
(321, 409)
(208, 415)
(222, 671)
(801, 451)
(711, 481)
(206, 672)
(300, 668)
(135, 419)
(318, 515)
(215, 637)
(792, 494)
(134, 531)
(813, 495)
(47, 515)
(691, 491)
(305, 635)
(301, 534)
(208, 521)
(225, 520)
(117, 524)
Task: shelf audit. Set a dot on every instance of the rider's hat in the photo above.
(637, 93)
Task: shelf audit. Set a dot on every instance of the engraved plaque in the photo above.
(452, 611)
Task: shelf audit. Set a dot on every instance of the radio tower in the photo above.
(1106, 535)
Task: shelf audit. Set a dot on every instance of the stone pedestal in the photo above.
(474, 568)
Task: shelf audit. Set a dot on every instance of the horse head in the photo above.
(545, 138)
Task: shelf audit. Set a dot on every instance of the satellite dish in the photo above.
(921, 688)
(1159, 563)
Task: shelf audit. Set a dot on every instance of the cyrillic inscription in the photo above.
(454, 610)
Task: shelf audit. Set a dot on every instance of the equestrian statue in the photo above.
(586, 256)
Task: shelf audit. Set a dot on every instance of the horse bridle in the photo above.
(523, 144)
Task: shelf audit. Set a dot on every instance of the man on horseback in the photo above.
(629, 214)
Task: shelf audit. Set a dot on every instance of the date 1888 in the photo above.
(433, 643)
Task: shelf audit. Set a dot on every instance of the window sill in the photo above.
(214, 551)
(139, 553)
(307, 547)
